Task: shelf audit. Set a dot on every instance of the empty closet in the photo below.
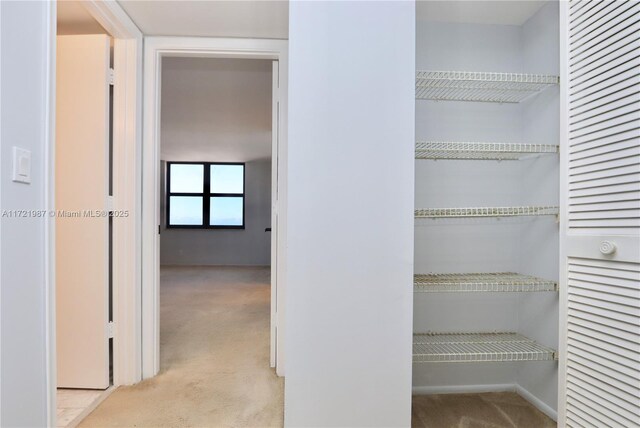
(527, 205)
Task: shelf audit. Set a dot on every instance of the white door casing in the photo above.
(82, 228)
(157, 48)
(600, 217)
(275, 112)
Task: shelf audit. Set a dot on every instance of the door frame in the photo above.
(155, 48)
(127, 154)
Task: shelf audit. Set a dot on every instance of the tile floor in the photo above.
(74, 404)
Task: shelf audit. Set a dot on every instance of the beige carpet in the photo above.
(488, 410)
(214, 356)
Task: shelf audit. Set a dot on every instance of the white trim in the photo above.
(535, 401)
(113, 18)
(50, 223)
(463, 389)
(564, 199)
(127, 187)
(127, 154)
(156, 48)
(275, 102)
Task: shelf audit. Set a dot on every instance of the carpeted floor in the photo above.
(214, 356)
(487, 410)
(214, 360)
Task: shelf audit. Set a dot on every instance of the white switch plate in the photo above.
(21, 165)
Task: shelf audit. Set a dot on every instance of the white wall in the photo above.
(350, 228)
(215, 108)
(25, 51)
(539, 249)
(219, 110)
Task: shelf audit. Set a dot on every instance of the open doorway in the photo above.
(215, 210)
(215, 241)
(83, 220)
(93, 322)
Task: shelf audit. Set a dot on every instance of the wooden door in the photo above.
(82, 228)
(600, 277)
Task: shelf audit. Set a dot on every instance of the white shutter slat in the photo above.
(591, 417)
(629, 384)
(609, 121)
(598, 356)
(603, 340)
(599, 11)
(591, 380)
(606, 309)
(616, 70)
(606, 67)
(630, 342)
(607, 198)
(617, 411)
(621, 105)
(607, 102)
(632, 177)
(582, 321)
(628, 166)
(618, 40)
(600, 191)
(600, 33)
(602, 269)
(605, 98)
(604, 145)
(621, 125)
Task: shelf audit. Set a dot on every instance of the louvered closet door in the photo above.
(600, 365)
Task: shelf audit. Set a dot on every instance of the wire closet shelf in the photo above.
(481, 151)
(486, 212)
(480, 282)
(478, 347)
(480, 86)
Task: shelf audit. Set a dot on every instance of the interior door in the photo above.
(600, 325)
(82, 228)
(275, 113)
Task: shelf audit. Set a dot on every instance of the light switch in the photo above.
(21, 165)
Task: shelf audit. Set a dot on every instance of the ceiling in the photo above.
(226, 18)
(216, 110)
(478, 12)
(73, 18)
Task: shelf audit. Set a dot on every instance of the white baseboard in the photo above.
(461, 389)
(539, 404)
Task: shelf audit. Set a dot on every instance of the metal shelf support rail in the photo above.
(480, 86)
(481, 282)
(478, 347)
(481, 151)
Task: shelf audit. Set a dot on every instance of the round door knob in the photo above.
(607, 247)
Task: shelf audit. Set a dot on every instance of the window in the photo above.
(205, 195)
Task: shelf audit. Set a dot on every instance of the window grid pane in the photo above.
(227, 178)
(186, 178)
(185, 210)
(226, 211)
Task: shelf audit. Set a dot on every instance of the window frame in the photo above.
(206, 196)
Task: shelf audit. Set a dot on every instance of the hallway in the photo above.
(214, 356)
